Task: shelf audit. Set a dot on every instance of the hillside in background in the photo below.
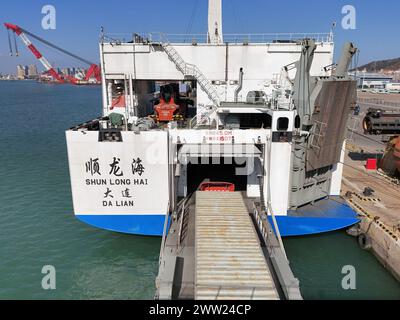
(381, 65)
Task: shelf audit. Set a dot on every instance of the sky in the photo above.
(78, 23)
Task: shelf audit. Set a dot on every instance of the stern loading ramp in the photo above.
(228, 258)
(216, 249)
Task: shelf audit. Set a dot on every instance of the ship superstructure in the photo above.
(264, 112)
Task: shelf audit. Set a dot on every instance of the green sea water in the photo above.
(37, 225)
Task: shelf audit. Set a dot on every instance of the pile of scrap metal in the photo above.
(390, 162)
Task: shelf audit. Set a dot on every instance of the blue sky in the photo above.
(78, 23)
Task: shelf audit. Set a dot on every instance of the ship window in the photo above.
(248, 120)
(282, 124)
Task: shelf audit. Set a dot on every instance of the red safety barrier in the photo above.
(217, 186)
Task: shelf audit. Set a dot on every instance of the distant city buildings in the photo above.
(8, 77)
(66, 71)
(31, 72)
(27, 72)
(20, 72)
(378, 82)
(369, 80)
(78, 73)
(383, 75)
(395, 74)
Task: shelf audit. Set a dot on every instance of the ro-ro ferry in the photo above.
(265, 113)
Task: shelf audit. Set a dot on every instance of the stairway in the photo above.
(189, 69)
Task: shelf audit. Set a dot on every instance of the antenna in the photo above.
(333, 26)
(215, 22)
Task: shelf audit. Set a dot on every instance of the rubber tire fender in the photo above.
(364, 241)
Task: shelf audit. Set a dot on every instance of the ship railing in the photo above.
(204, 119)
(375, 102)
(276, 252)
(193, 122)
(251, 101)
(183, 210)
(239, 38)
(265, 229)
(260, 220)
(164, 236)
(244, 37)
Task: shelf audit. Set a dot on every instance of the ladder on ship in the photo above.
(192, 70)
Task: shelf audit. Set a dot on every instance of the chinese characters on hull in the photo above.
(92, 167)
(115, 168)
(108, 193)
(137, 166)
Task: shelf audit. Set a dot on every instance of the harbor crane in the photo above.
(93, 71)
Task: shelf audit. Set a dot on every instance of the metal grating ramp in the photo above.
(229, 260)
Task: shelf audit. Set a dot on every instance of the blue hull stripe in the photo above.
(300, 226)
(152, 225)
(145, 224)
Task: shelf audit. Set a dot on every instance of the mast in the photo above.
(215, 22)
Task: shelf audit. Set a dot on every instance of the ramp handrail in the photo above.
(181, 217)
(182, 209)
(261, 222)
(164, 234)
(288, 282)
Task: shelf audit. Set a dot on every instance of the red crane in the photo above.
(93, 71)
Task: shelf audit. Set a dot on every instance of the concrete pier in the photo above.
(383, 243)
(379, 210)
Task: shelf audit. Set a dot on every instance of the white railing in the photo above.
(229, 37)
(247, 38)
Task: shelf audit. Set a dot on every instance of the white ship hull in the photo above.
(149, 173)
(171, 107)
